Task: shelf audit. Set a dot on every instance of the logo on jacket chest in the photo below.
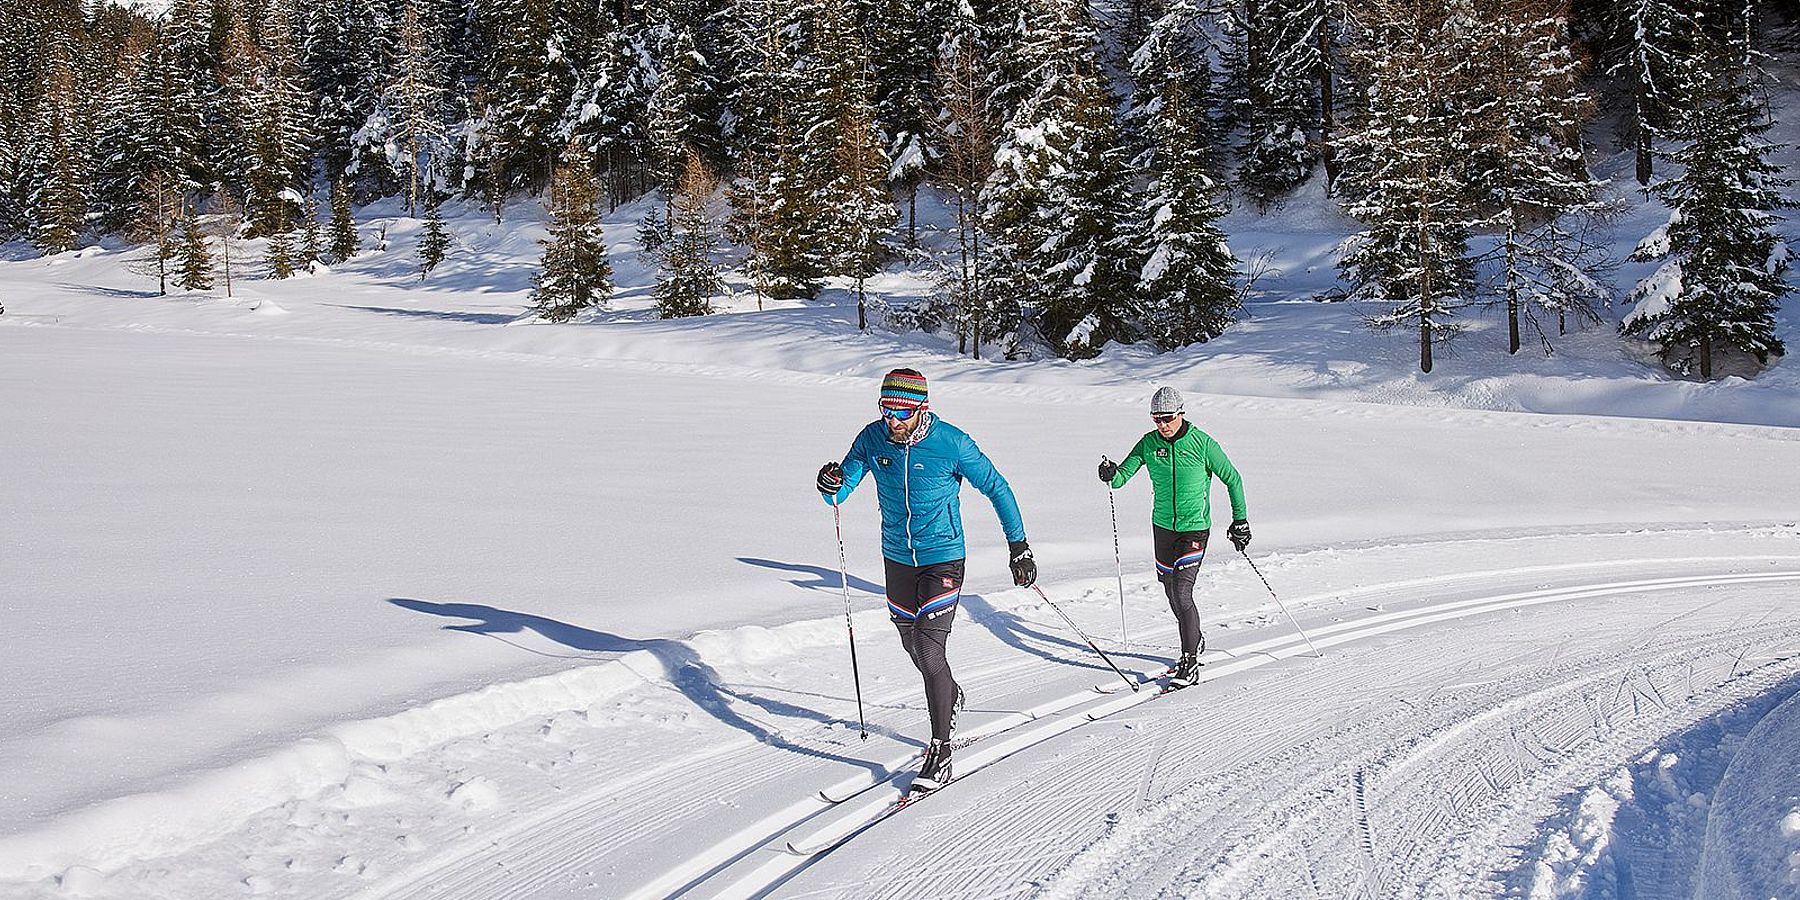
(883, 461)
(1162, 453)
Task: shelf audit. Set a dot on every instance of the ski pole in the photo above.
(837, 516)
(1090, 641)
(1283, 606)
(1118, 566)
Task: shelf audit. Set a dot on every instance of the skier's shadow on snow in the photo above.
(1019, 634)
(821, 579)
(684, 668)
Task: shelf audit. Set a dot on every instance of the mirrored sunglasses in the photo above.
(899, 415)
(1164, 418)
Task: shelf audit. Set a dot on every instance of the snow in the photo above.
(362, 585)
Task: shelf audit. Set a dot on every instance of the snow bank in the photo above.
(1752, 848)
(1570, 863)
(110, 835)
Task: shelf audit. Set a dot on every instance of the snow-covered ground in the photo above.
(357, 586)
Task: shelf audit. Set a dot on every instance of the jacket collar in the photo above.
(1185, 425)
(918, 434)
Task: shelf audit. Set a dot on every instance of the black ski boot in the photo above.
(1187, 671)
(934, 772)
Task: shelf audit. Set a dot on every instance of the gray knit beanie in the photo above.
(1165, 401)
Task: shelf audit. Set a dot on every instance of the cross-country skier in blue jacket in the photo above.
(919, 463)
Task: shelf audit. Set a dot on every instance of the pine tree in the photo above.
(575, 275)
(57, 166)
(1717, 291)
(966, 130)
(195, 272)
(310, 251)
(157, 224)
(1406, 172)
(344, 239)
(1651, 47)
(690, 279)
(1289, 80)
(1528, 168)
(529, 88)
(280, 258)
(274, 112)
(903, 38)
(680, 111)
(1186, 290)
(858, 210)
(1060, 200)
(415, 97)
(434, 245)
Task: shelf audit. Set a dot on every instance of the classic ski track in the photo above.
(1268, 827)
(589, 825)
(774, 871)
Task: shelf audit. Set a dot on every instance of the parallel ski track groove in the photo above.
(776, 872)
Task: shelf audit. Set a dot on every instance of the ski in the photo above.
(906, 799)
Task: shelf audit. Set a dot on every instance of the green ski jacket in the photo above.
(1181, 473)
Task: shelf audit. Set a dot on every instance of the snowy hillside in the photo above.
(356, 586)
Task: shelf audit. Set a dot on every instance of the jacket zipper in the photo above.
(1174, 492)
(906, 495)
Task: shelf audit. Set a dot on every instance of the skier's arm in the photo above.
(854, 469)
(1128, 466)
(1220, 464)
(978, 470)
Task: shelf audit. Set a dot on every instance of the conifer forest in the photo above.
(1087, 151)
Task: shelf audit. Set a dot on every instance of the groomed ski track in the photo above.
(1447, 715)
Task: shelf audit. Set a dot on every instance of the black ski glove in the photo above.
(1024, 568)
(1107, 469)
(831, 478)
(1239, 532)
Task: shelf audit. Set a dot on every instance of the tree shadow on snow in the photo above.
(681, 665)
(821, 579)
(474, 318)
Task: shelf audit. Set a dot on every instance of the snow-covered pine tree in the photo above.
(434, 244)
(903, 36)
(1717, 291)
(1651, 42)
(574, 275)
(275, 113)
(195, 269)
(859, 211)
(690, 278)
(344, 239)
(1405, 169)
(415, 99)
(59, 167)
(311, 248)
(1288, 57)
(1059, 202)
(681, 111)
(1528, 167)
(612, 114)
(197, 117)
(346, 53)
(776, 206)
(528, 89)
(966, 131)
(1187, 292)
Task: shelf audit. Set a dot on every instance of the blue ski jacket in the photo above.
(917, 485)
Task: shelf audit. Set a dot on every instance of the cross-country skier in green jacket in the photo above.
(1183, 460)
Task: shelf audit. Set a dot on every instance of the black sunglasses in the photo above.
(1164, 418)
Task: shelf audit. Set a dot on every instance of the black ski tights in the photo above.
(926, 647)
(1179, 586)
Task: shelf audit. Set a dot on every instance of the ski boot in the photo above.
(1187, 671)
(934, 772)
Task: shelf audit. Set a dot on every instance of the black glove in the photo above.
(1024, 568)
(1239, 532)
(1107, 469)
(831, 478)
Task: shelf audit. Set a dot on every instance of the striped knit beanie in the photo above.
(903, 389)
